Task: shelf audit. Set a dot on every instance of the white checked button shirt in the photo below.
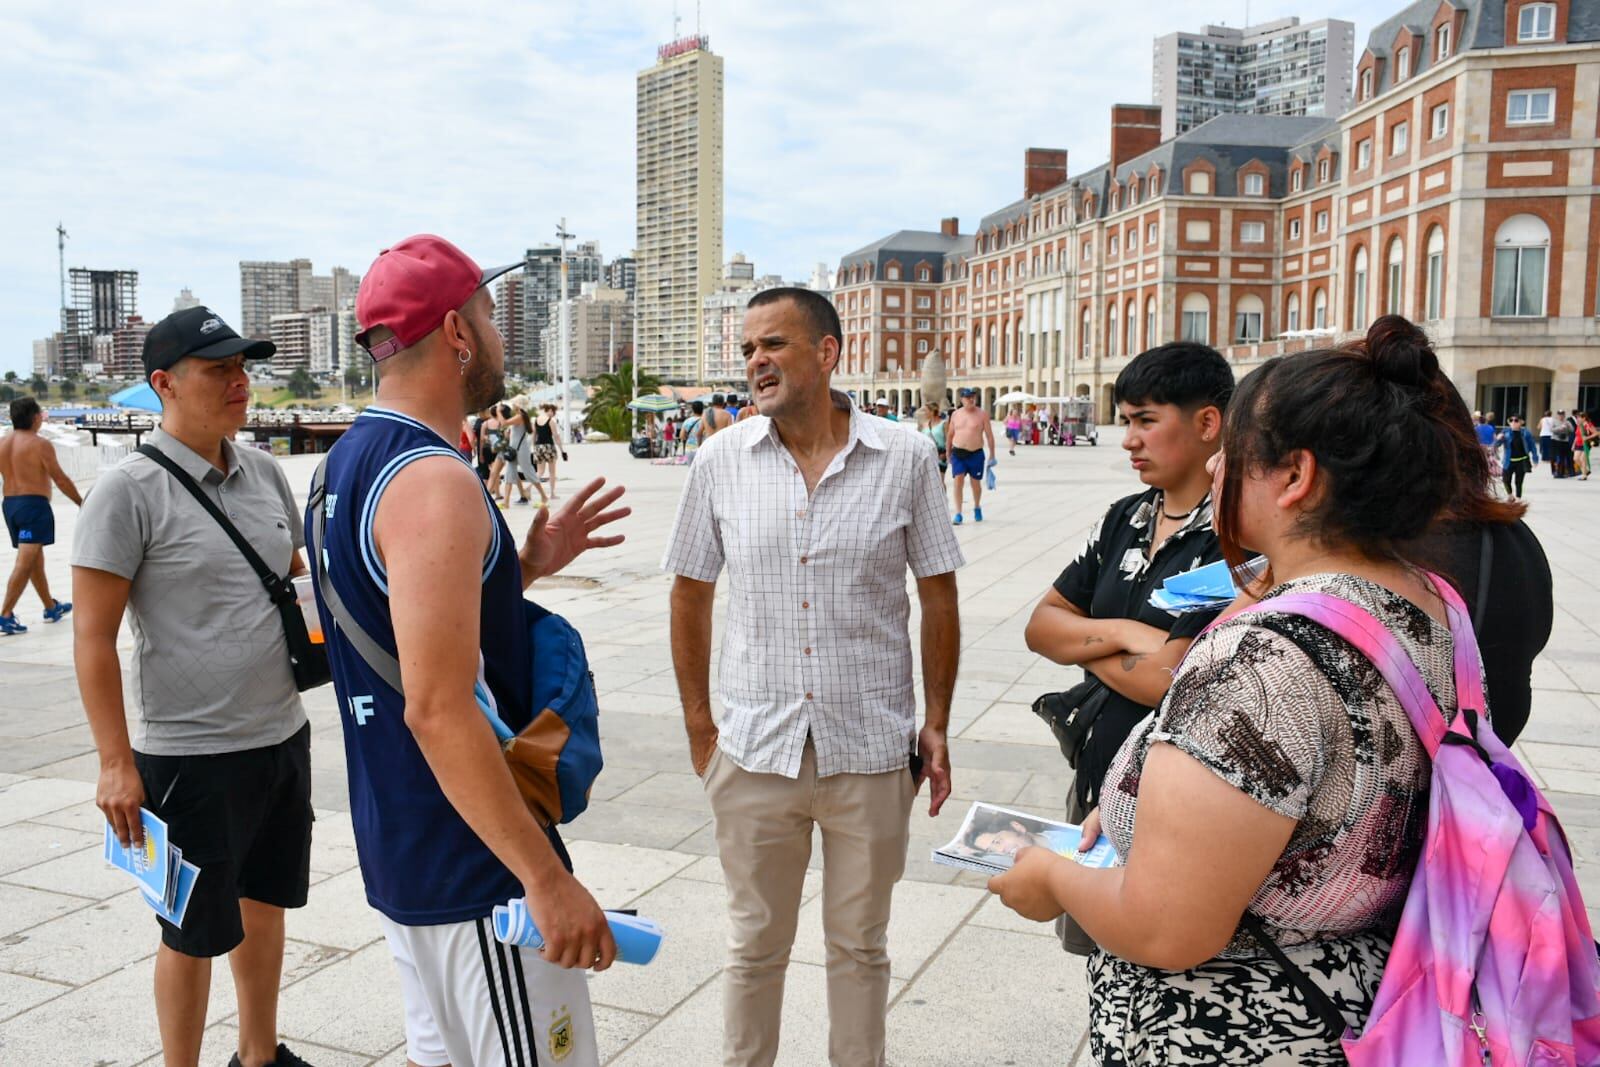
(817, 641)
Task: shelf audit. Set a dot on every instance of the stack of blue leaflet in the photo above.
(638, 940)
(165, 878)
(1208, 588)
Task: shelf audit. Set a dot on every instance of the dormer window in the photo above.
(1402, 65)
(1536, 22)
(1366, 84)
(1254, 184)
(1441, 43)
(1322, 170)
(1296, 179)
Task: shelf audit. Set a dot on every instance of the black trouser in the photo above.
(1547, 451)
(1515, 469)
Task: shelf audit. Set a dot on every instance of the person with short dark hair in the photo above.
(221, 748)
(1519, 453)
(28, 469)
(1098, 614)
(1281, 781)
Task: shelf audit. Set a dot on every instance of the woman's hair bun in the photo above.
(1401, 353)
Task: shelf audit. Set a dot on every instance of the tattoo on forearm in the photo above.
(1130, 662)
(1087, 641)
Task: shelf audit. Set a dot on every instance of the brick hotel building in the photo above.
(1460, 190)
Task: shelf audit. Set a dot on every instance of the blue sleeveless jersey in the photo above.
(421, 862)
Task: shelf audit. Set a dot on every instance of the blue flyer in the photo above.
(150, 865)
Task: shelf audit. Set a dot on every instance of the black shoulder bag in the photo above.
(308, 661)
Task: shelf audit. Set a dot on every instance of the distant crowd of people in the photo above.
(1564, 440)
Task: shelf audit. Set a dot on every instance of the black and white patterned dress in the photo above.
(1297, 719)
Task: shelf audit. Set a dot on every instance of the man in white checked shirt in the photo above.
(816, 511)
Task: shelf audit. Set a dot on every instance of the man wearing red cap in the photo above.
(421, 560)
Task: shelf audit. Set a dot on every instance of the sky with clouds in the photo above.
(179, 138)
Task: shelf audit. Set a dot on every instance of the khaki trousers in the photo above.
(763, 824)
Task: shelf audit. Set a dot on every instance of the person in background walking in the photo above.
(1487, 433)
(28, 467)
(544, 448)
(933, 424)
(1013, 427)
(1547, 441)
(1519, 453)
(1561, 445)
(1585, 440)
(669, 430)
(716, 417)
(969, 431)
(520, 465)
(815, 511)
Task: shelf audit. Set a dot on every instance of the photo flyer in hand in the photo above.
(991, 836)
(152, 865)
(164, 877)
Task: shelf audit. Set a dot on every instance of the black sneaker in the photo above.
(282, 1058)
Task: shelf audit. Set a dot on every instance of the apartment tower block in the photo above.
(679, 200)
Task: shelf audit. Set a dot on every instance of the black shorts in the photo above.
(244, 818)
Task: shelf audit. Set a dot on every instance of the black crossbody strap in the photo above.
(1485, 566)
(1322, 1004)
(279, 590)
(375, 656)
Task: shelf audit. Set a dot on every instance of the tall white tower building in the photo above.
(679, 199)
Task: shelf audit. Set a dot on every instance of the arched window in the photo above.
(1402, 65)
(989, 352)
(1319, 310)
(1133, 327)
(1366, 84)
(1247, 316)
(1521, 261)
(1434, 297)
(1150, 322)
(1111, 330)
(1291, 313)
(1197, 318)
(1083, 336)
(1394, 299)
(1358, 292)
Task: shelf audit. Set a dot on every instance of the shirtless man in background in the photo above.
(969, 432)
(27, 467)
(716, 418)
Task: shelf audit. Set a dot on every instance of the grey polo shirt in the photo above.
(211, 667)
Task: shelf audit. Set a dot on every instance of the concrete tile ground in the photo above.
(973, 984)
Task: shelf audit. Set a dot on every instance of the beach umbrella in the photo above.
(139, 396)
(1017, 397)
(654, 402)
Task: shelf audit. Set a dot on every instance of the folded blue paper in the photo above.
(1205, 588)
(638, 940)
(165, 878)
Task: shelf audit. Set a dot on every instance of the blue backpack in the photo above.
(556, 757)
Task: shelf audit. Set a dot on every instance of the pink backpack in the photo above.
(1494, 962)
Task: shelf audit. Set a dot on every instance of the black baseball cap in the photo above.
(966, 390)
(198, 332)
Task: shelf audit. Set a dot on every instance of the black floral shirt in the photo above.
(1112, 578)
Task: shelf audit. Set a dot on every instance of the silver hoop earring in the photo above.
(464, 358)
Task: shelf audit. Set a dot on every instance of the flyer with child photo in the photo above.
(991, 836)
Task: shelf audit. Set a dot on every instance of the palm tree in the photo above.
(608, 406)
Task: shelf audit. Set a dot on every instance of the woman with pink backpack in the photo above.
(1269, 906)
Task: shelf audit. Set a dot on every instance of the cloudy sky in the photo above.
(178, 139)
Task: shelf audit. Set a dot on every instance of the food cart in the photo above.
(1078, 421)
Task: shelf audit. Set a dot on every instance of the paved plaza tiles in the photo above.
(973, 984)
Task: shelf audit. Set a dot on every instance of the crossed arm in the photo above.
(1131, 657)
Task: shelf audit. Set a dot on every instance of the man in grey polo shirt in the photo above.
(221, 746)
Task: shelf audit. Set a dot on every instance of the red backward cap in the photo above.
(410, 288)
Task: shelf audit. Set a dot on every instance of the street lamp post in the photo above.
(566, 355)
